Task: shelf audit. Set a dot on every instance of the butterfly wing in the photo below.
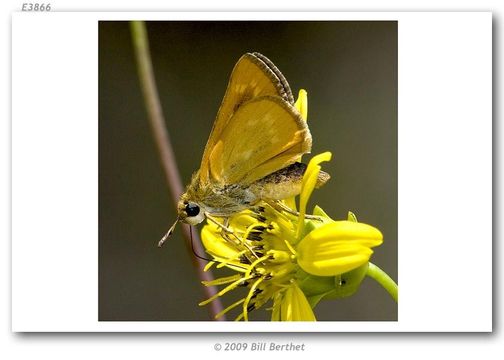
(253, 76)
(263, 135)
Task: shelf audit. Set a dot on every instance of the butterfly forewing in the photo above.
(253, 76)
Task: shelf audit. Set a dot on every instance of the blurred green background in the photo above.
(350, 72)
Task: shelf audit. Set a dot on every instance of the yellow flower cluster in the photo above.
(276, 254)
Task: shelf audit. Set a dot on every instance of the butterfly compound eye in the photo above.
(192, 209)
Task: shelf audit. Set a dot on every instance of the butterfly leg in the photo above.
(226, 232)
(279, 205)
(224, 227)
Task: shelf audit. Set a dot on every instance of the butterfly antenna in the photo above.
(168, 233)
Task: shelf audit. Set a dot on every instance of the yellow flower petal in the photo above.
(302, 104)
(308, 185)
(216, 245)
(292, 305)
(242, 220)
(337, 247)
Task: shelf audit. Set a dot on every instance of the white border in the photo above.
(445, 172)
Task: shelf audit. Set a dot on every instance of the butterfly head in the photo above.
(190, 212)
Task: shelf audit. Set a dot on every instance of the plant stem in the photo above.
(383, 279)
(168, 161)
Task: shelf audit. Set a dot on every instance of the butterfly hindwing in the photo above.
(264, 135)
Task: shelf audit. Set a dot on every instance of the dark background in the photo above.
(350, 72)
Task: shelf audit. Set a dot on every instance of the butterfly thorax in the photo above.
(218, 200)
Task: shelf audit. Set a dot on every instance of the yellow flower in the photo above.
(276, 255)
(337, 248)
(259, 251)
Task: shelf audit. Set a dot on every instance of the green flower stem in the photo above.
(168, 161)
(383, 279)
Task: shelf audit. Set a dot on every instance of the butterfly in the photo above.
(254, 148)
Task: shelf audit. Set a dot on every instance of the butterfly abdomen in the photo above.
(285, 182)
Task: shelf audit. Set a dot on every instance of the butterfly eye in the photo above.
(192, 209)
